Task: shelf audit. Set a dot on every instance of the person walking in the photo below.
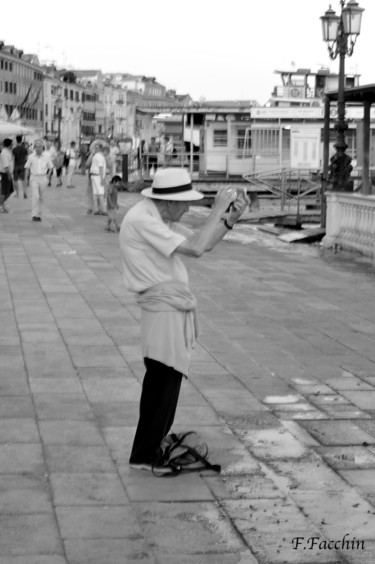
(59, 162)
(51, 152)
(20, 155)
(152, 157)
(6, 173)
(112, 205)
(38, 166)
(151, 242)
(98, 171)
(168, 151)
(71, 154)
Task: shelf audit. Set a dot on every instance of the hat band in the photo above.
(173, 190)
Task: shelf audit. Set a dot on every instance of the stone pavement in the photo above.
(282, 386)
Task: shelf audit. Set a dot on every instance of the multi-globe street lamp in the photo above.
(341, 32)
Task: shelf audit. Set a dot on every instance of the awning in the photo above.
(7, 128)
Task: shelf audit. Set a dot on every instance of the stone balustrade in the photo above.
(350, 222)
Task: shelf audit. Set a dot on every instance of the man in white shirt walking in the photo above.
(98, 171)
(37, 169)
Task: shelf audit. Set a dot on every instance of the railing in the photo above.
(291, 186)
(350, 222)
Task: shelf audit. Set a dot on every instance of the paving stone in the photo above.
(67, 458)
(269, 530)
(21, 458)
(65, 432)
(309, 474)
(88, 488)
(363, 479)
(14, 384)
(249, 486)
(39, 559)
(28, 535)
(116, 414)
(90, 356)
(92, 522)
(364, 399)
(63, 406)
(337, 432)
(197, 416)
(349, 384)
(143, 486)
(20, 407)
(108, 389)
(273, 443)
(187, 528)
(110, 551)
(52, 361)
(342, 411)
(349, 457)
(55, 386)
(24, 493)
(357, 516)
(18, 431)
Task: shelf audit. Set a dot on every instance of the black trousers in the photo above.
(160, 392)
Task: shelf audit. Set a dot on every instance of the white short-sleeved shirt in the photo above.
(98, 161)
(147, 245)
(6, 160)
(39, 164)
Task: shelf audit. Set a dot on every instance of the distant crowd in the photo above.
(28, 170)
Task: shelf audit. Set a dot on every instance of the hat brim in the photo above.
(187, 196)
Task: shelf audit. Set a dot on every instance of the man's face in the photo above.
(38, 148)
(177, 209)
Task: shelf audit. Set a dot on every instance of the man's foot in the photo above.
(102, 213)
(36, 218)
(25, 196)
(70, 186)
(49, 184)
(108, 229)
(96, 213)
(118, 228)
(89, 212)
(59, 184)
(150, 468)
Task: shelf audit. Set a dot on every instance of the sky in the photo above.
(206, 48)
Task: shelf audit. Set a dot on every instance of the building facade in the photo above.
(21, 88)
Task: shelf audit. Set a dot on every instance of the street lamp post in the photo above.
(59, 103)
(340, 33)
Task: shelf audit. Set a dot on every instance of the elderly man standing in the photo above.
(37, 167)
(151, 240)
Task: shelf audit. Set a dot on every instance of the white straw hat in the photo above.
(172, 184)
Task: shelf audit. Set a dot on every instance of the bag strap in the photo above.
(207, 464)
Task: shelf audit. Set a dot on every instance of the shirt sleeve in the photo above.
(159, 236)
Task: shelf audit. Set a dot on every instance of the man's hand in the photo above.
(223, 199)
(239, 206)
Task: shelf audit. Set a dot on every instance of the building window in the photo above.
(6, 86)
(220, 138)
(242, 137)
(77, 96)
(5, 65)
(66, 93)
(1, 63)
(11, 67)
(46, 110)
(14, 88)
(71, 94)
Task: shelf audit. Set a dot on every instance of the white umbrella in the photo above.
(7, 128)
